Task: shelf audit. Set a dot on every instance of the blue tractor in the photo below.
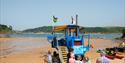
(72, 39)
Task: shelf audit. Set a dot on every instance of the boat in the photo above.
(72, 39)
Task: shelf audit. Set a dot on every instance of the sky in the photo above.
(24, 14)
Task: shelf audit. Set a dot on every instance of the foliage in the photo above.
(123, 33)
(40, 29)
(103, 29)
(5, 28)
(84, 29)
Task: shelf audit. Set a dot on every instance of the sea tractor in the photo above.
(72, 39)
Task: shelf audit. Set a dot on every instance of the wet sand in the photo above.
(34, 50)
(23, 50)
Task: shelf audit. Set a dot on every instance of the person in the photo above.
(78, 58)
(69, 53)
(49, 57)
(102, 58)
(59, 61)
(86, 60)
(72, 58)
(55, 58)
(124, 58)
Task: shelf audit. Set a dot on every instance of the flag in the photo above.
(55, 19)
(73, 21)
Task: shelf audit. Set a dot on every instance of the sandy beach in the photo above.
(36, 50)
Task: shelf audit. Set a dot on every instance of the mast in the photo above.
(77, 32)
(76, 19)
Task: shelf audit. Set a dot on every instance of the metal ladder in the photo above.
(63, 54)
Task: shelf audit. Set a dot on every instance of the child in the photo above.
(49, 57)
(78, 58)
(72, 58)
(69, 53)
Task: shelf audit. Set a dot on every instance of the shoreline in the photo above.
(113, 36)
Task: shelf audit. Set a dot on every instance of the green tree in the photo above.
(5, 28)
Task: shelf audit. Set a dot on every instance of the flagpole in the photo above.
(72, 20)
(55, 20)
(76, 25)
(52, 27)
(76, 19)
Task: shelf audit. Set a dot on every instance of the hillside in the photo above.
(39, 29)
(5, 29)
(84, 29)
(104, 29)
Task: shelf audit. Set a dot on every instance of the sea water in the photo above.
(102, 36)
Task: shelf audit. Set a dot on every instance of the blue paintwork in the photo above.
(80, 50)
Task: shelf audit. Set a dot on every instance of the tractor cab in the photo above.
(75, 40)
(73, 37)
